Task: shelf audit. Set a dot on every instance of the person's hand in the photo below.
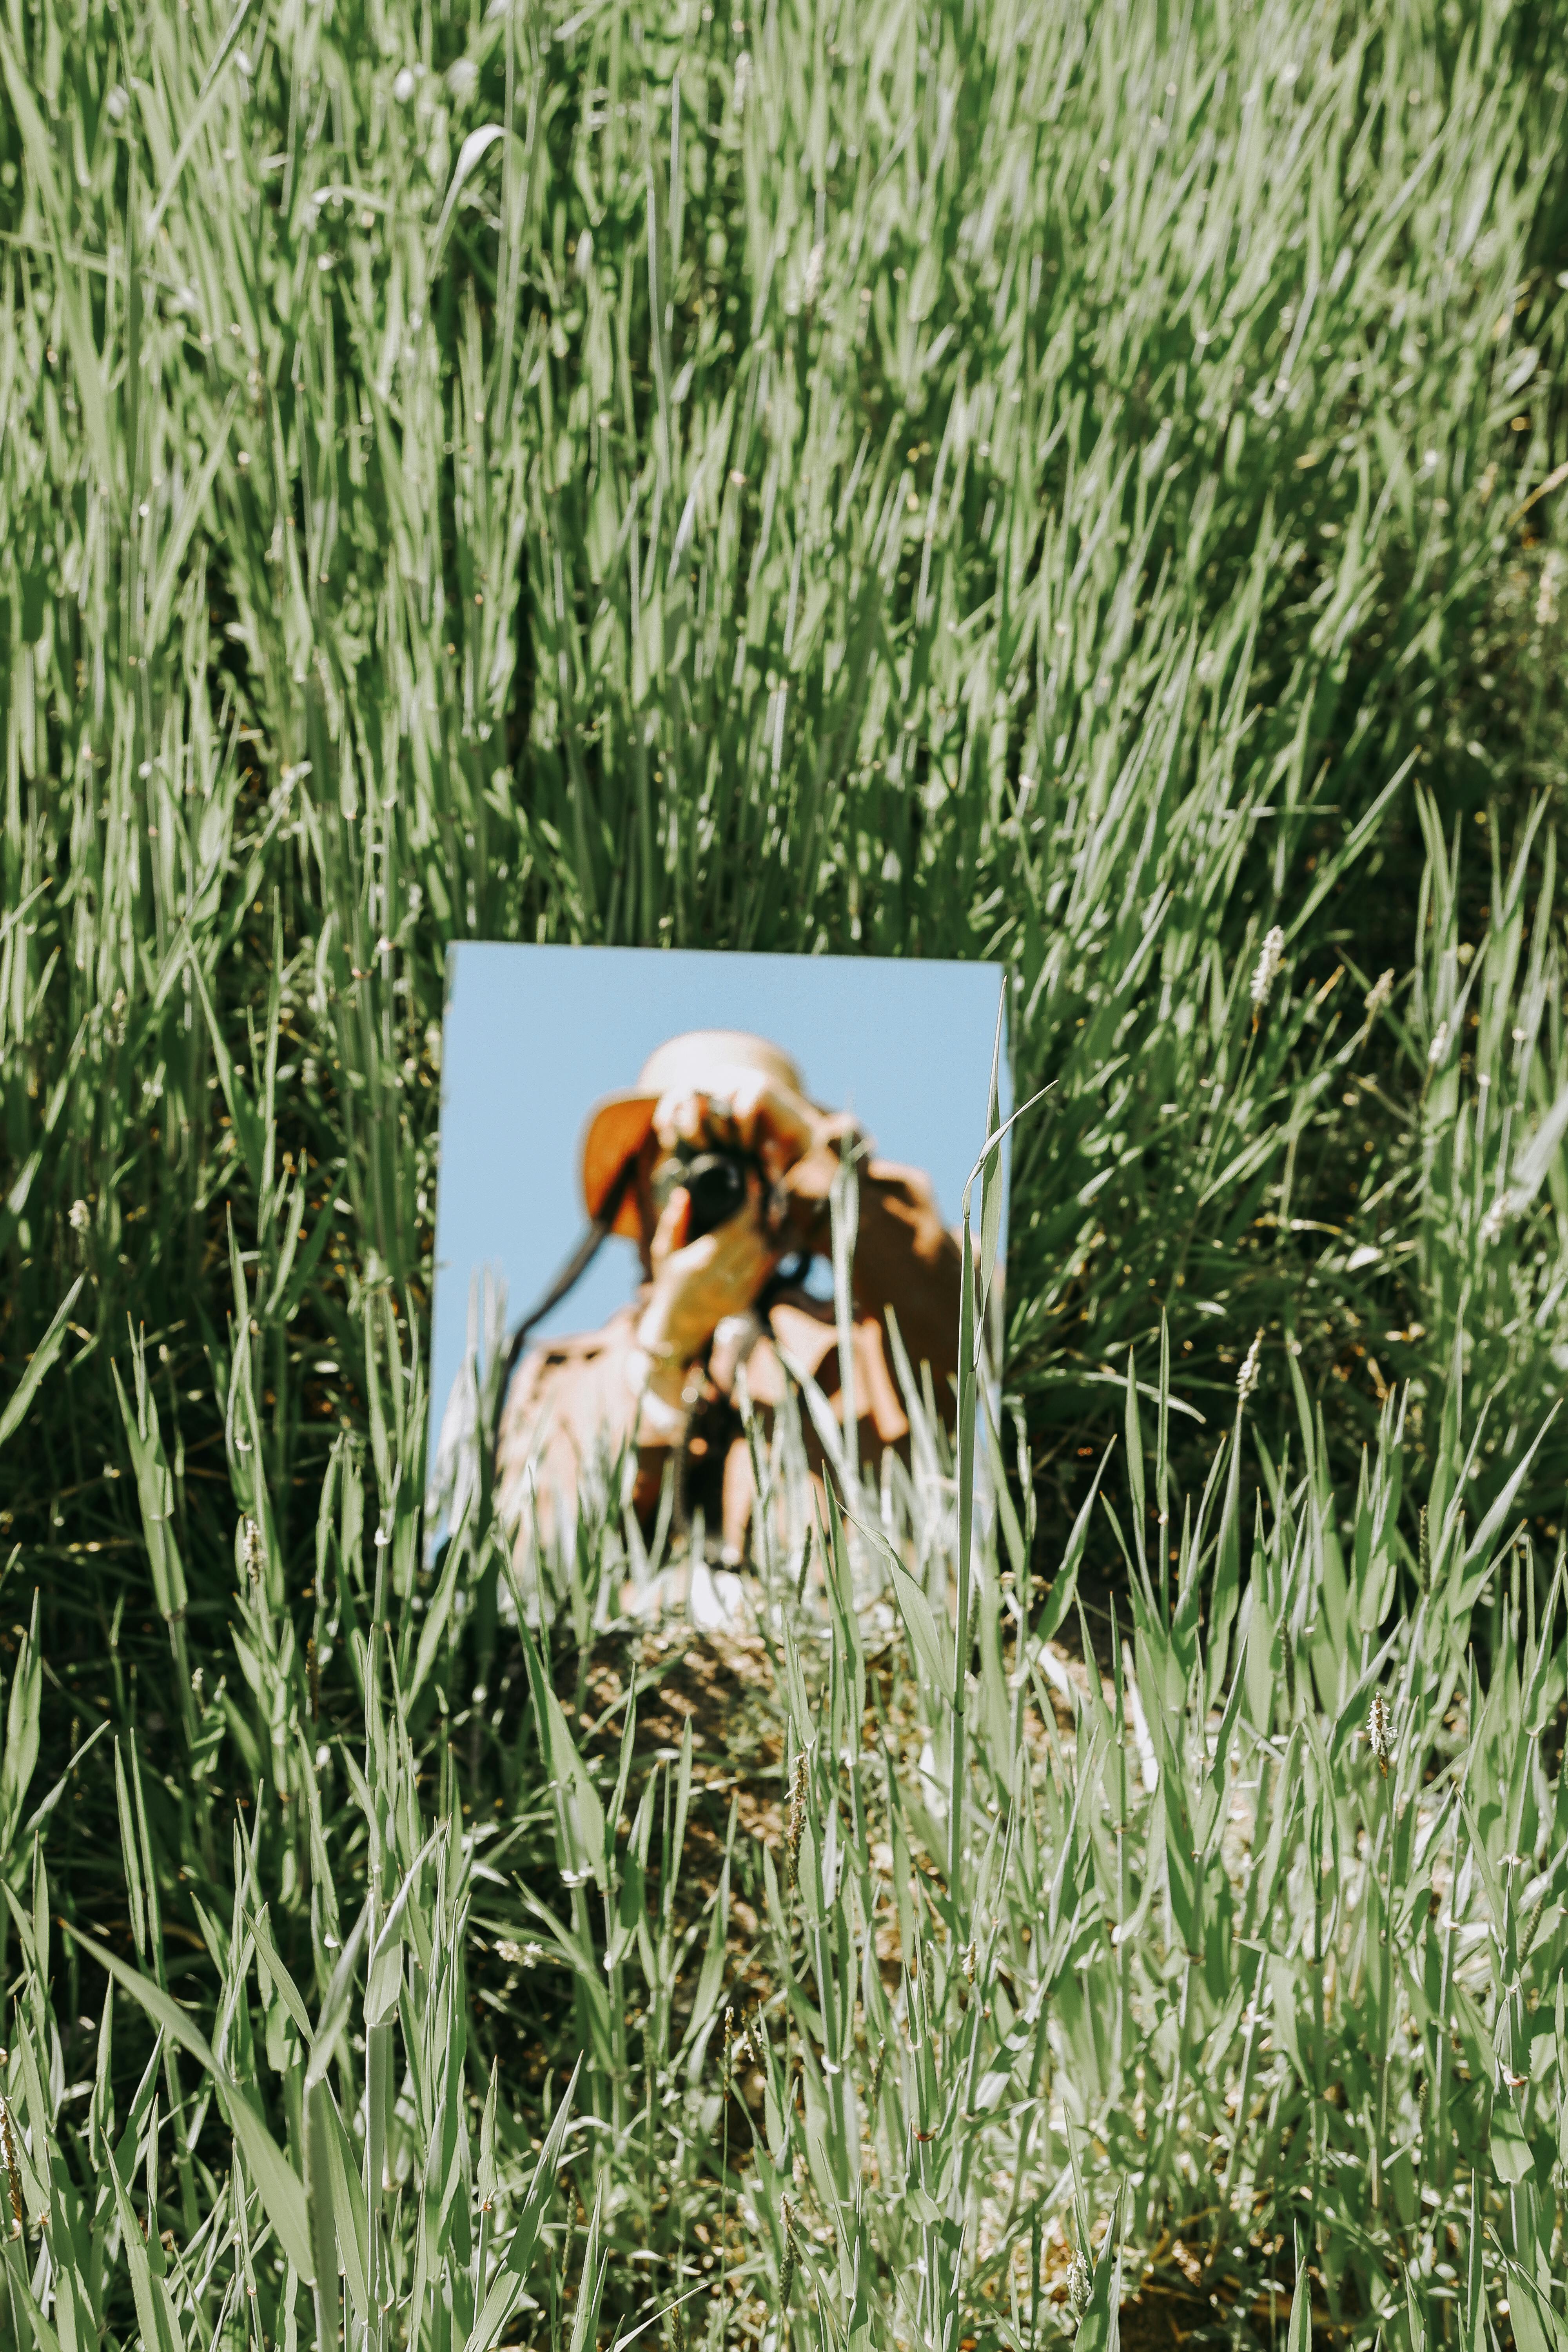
(696, 1285)
(771, 1122)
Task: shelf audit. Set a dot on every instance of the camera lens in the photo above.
(716, 1186)
(715, 1182)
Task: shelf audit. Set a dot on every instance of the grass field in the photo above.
(1076, 486)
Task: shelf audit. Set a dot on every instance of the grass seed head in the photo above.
(1271, 956)
(792, 2252)
(1497, 1216)
(796, 1829)
(1378, 996)
(13, 2169)
(1380, 1731)
(1247, 1378)
(1080, 2284)
(254, 1554)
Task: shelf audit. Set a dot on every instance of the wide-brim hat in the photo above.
(704, 1061)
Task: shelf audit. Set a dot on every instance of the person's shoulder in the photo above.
(554, 1368)
(893, 1176)
(582, 1346)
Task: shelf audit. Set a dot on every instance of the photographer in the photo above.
(721, 1170)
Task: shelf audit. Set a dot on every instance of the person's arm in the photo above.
(638, 1379)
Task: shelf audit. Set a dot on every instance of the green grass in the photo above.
(1064, 486)
(1238, 1976)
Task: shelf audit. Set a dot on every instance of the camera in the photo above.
(717, 1184)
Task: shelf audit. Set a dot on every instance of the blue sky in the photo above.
(535, 1035)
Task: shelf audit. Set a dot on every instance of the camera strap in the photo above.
(570, 1275)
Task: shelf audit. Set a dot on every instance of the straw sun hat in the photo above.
(705, 1060)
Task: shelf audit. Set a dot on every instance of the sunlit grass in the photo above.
(1064, 486)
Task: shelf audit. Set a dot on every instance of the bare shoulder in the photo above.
(583, 1347)
(893, 1176)
(558, 1358)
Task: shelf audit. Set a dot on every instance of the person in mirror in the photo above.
(724, 1172)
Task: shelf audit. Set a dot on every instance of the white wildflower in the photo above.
(80, 1216)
